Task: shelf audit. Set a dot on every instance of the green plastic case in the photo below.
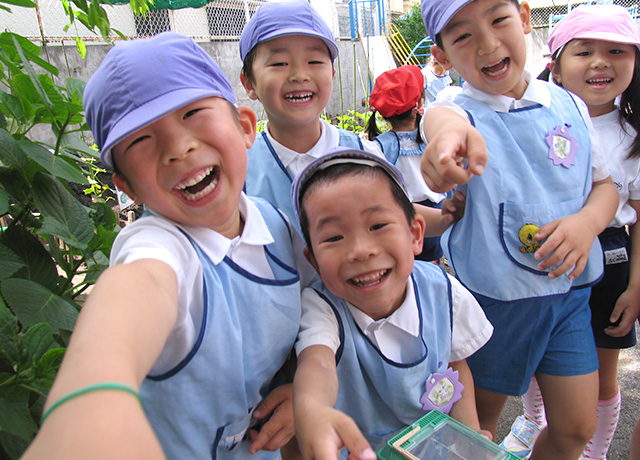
(436, 436)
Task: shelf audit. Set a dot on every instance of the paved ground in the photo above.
(629, 378)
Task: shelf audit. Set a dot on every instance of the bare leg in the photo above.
(635, 442)
(608, 373)
(608, 405)
(571, 408)
(489, 405)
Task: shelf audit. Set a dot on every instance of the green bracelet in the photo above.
(88, 389)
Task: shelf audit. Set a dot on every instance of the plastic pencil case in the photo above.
(436, 436)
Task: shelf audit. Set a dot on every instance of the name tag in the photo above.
(616, 256)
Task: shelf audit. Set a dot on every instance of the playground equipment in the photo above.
(421, 52)
(400, 47)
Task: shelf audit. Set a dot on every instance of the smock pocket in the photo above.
(519, 222)
(230, 437)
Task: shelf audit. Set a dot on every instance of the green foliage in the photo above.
(52, 247)
(411, 26)
(351, 121)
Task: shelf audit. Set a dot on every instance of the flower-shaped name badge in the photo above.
(562, 146)
(443, 390)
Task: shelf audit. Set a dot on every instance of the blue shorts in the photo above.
(616, 245)
(551, 335)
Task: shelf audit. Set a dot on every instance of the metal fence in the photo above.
(541, 17)
(222, 19)
(218, 20)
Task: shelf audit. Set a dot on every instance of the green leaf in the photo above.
(8, 333)
(39, 265)
(25, 3)
(37, 341)
(33, 303)
(4, 202)
(81, 47)
(22, 50)
(65, 217)
(10, 151)
(103, 215)
(12, 445)
(52, 163)
(63, 231)
(10, 263)
(14, 105)
(75, 89)
(15, 417)
(49, 364)
(32, 74)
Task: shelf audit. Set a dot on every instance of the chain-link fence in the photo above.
(543, 17)
(218, 20)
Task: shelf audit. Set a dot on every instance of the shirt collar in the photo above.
(255, 233)
(535, 93)
(328, 137)
(404, 318)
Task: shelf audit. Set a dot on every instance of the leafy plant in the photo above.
(52, 247)
(351, 121)
(411, 26)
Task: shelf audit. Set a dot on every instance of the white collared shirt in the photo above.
(156, 237)
(319, 326)
(329, 138)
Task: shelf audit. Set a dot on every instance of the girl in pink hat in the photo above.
(594, 55)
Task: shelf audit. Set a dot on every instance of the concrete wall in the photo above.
(351, 83)
(350, 80)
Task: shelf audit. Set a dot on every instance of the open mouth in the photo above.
(498, 69)
(200, 185)
(298, 98)
(369, 279)
(599, 81)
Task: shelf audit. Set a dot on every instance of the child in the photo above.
(288, 51)
(200, 307)
(380, 330)
(398, 96)
(435, 79)
(532, 216)
(594, 56)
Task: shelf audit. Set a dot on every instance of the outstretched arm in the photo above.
(452, 142)
(627, 306)
(569, 240)
(119, 334)
(322, 430)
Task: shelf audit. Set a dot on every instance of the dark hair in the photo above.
(372, 127)
(333, 173)
(629, 108)
(438, 40)
(247, 64)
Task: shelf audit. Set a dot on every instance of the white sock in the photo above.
(608, 415)
(533, 405)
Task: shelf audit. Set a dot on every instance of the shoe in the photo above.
(521, 438)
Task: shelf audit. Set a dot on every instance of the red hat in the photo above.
(397, 90)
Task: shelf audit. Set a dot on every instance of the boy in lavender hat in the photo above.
(288, 53)
(535, 213)
(201, 305)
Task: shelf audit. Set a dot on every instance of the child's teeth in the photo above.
(194, 180)
(370, 279)
(195, 196)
